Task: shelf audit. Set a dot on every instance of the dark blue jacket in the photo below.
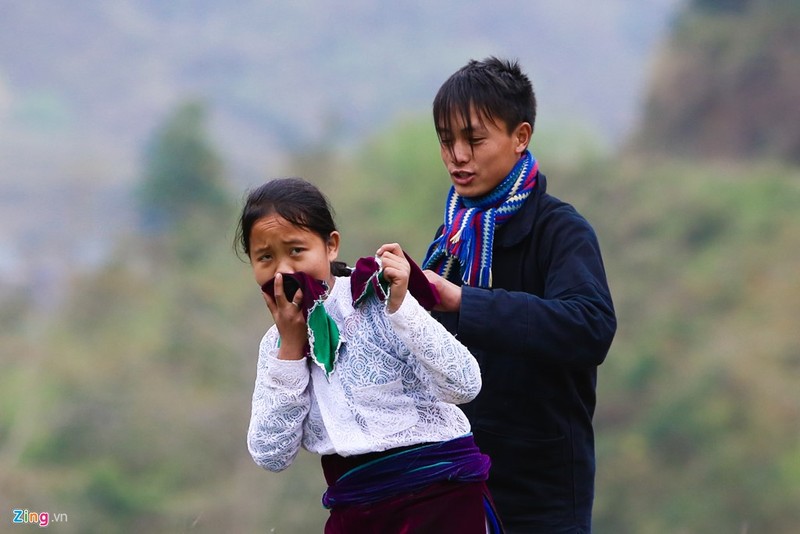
(539, 334)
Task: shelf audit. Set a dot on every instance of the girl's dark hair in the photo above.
(299, 202)
(497, 88)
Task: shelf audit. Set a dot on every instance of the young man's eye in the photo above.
(475, 140)
(296, 250)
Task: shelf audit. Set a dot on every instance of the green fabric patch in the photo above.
(369, 288)
(323, 337)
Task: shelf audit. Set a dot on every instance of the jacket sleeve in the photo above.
(572, 322)
(437, 357)
(281, 402)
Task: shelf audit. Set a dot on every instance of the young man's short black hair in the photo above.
(497, 88)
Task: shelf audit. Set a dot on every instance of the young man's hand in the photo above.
(396, 271)
(449, 293)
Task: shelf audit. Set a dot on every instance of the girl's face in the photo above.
(278, 246)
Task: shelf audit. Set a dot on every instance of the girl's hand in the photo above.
(289, 320)
(396, 271)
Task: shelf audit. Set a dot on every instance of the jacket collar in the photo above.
(519, 226)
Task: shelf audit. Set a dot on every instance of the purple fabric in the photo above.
(365, 272)
(312, 289)
(442, 488)
(443, 507)
(407, 471)
(364, 277)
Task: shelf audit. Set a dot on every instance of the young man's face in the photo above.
(480, 157)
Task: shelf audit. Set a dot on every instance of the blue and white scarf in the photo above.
(469, 225)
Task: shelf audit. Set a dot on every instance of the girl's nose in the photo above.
(284, 266)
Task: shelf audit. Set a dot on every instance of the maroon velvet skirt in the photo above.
(442, 508)
(461, 504)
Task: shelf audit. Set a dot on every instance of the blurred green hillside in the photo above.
(84, 83)
(126, 406)
(725, 86)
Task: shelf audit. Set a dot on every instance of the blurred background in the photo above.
(130, 131)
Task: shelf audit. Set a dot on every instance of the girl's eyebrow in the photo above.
(285, 242)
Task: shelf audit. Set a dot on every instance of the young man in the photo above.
(522, 285)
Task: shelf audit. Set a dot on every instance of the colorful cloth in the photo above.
(467, 236)
(407, 471)
(366, 280)
(323, 334)
(437, 487)
(441, 507)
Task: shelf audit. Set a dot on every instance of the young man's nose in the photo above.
(462, 152)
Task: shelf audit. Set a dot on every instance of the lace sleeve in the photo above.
(438, 357)
(280, 404)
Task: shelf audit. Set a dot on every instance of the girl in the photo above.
(361, 374)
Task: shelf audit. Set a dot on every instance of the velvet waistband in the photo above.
(377, 476)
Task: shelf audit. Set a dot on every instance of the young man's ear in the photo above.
(522, 136)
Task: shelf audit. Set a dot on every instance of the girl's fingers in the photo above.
(279, 294)
(391, 255)
(270, 303)
(279, 302)
(393, 248)
(298, 299)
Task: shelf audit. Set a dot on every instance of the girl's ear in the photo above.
(522, 137)
(333, 245)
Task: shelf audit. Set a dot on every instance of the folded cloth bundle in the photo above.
(366, 280)
(323, 334)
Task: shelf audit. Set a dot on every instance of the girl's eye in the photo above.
(296, 250)
(475, 140)
(265, 257)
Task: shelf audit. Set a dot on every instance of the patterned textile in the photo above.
(434, 487)
(366, 280)
(323, 334)
(407, 471)
(469, 225)
(399, 378)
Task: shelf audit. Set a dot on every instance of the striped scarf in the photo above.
(469, 225)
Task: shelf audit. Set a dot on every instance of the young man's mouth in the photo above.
(462, 177)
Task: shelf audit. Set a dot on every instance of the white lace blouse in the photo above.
(397, 381)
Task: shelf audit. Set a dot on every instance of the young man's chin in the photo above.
(471, 190)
